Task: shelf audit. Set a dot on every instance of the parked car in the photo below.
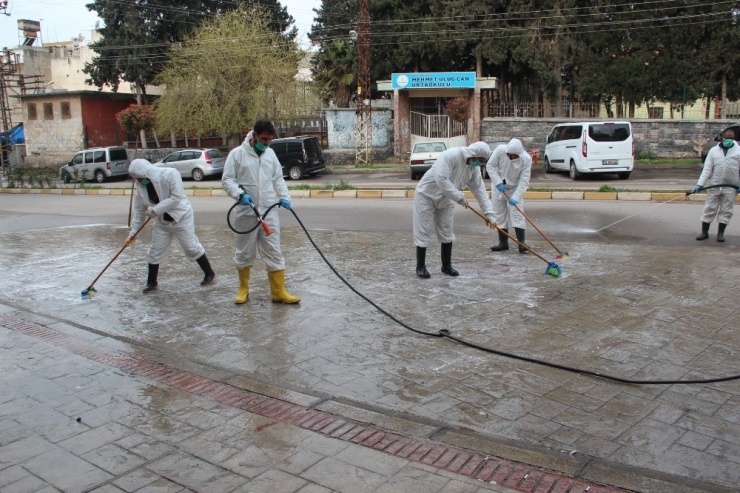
(195, 163)
(493, 144)
(299, 156)
(717, 138)
(423, 156)
(97, 164)
(591, 147)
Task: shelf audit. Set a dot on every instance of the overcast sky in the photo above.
(63, 20)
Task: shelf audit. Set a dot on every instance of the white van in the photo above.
(591, 147)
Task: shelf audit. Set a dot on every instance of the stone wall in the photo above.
(340, 123)
(345, 157)
(662, 138)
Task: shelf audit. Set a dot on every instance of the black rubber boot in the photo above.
(704, 231)
(520, 238)
(447, 260)
(503, 242)
(210, 276)
(421, 268)
(151, 280)
(721, 232)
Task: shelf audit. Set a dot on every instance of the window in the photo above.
(295, 147)
(32, 111)
(571, 132)
(609, 132)
(655, 113)
(77, 159)
(99, 156)
(172, 158)
(48, 111)
(278, 147)
(118, 154)
(215, 154)
(66, 111)
(88, 157)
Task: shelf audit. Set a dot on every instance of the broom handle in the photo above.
(131, 202)
(535, 226)
(119, 252)
(509, 236)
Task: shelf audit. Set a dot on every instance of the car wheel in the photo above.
(548, 168)
(66, 178)
(99, 176)
(574, 174)
(623, 176)
(198, 174)
(296, 173)
(413, 175)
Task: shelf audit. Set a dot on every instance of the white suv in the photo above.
(96, 164)
(591, 147)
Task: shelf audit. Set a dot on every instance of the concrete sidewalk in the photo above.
(230, 393)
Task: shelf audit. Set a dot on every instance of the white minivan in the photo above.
(591, 147)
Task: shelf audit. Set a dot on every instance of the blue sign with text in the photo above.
(434, 80)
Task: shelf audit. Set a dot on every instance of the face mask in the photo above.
(145, 181)
(259, 147)
(474, 163)
(727, 143)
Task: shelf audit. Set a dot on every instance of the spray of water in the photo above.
(638, 213)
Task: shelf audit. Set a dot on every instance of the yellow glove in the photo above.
(130, 241)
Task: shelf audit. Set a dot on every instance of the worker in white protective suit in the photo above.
(160, 195)
(722, 167)
(509, 169)
(436, 195)
(253, 174)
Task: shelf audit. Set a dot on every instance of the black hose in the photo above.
(690, 192)
(231, 227)
(448, 335)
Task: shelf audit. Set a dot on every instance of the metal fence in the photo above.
(577, 110)
(436, 126)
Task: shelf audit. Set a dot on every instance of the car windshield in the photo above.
(609, 132)
(215, 153)
(430, 147)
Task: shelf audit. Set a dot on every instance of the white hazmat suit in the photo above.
(720, 169)
(439, 190)
(516, 173)
(260, 177)
(172, 204)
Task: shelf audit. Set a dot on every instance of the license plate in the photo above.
(119, 165)
(429, 161)
(610, 162)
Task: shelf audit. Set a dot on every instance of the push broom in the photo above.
(562, 254)
(553, 269)
(91, 291)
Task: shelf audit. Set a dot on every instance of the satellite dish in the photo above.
(97, 24)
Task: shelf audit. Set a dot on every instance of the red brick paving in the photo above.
(520, 477)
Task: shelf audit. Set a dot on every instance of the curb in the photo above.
(389, 194)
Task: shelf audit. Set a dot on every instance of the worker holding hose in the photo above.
(436, 195)
(160, 195)
(509, 169)
(721, 167)
(252, 175)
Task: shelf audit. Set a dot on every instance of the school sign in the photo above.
(434, 80)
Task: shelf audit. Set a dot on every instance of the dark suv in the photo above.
(299, 156)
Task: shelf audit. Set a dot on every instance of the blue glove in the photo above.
(500, 187)
(697, 189)
(245, 199)
(512, 201)
(285, 204)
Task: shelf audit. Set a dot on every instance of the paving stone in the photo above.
(195, 474)
(314, 488)
(136, 479)
(162, 486)
(55, 467)
(696, 440)
(152, 449)
(274, 481)
(299, 462)
(114, 459)
(23, 449)
(11, 474)
(651, 436)
(28, 484)
(372, 460)
(340, 476)
(413, 480)
(108, 488)
(94, 438)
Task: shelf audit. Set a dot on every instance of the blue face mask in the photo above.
(259, 147)
(727, 143)
(145, 181)
(474, 163)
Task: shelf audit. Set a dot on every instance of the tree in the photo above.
(334, 70)
(137, 35)
(137, 119)
(231, 71)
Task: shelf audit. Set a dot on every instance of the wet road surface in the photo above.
(642, 300)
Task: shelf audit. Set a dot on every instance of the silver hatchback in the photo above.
(195, 163)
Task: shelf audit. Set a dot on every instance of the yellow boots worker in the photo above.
(252, 174)
(278, 294)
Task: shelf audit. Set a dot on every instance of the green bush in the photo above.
(642, 155)
(607, 188)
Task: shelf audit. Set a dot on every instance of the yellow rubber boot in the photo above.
(243, 293)
(277, 288)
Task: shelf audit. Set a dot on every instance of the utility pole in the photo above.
(363, 127)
